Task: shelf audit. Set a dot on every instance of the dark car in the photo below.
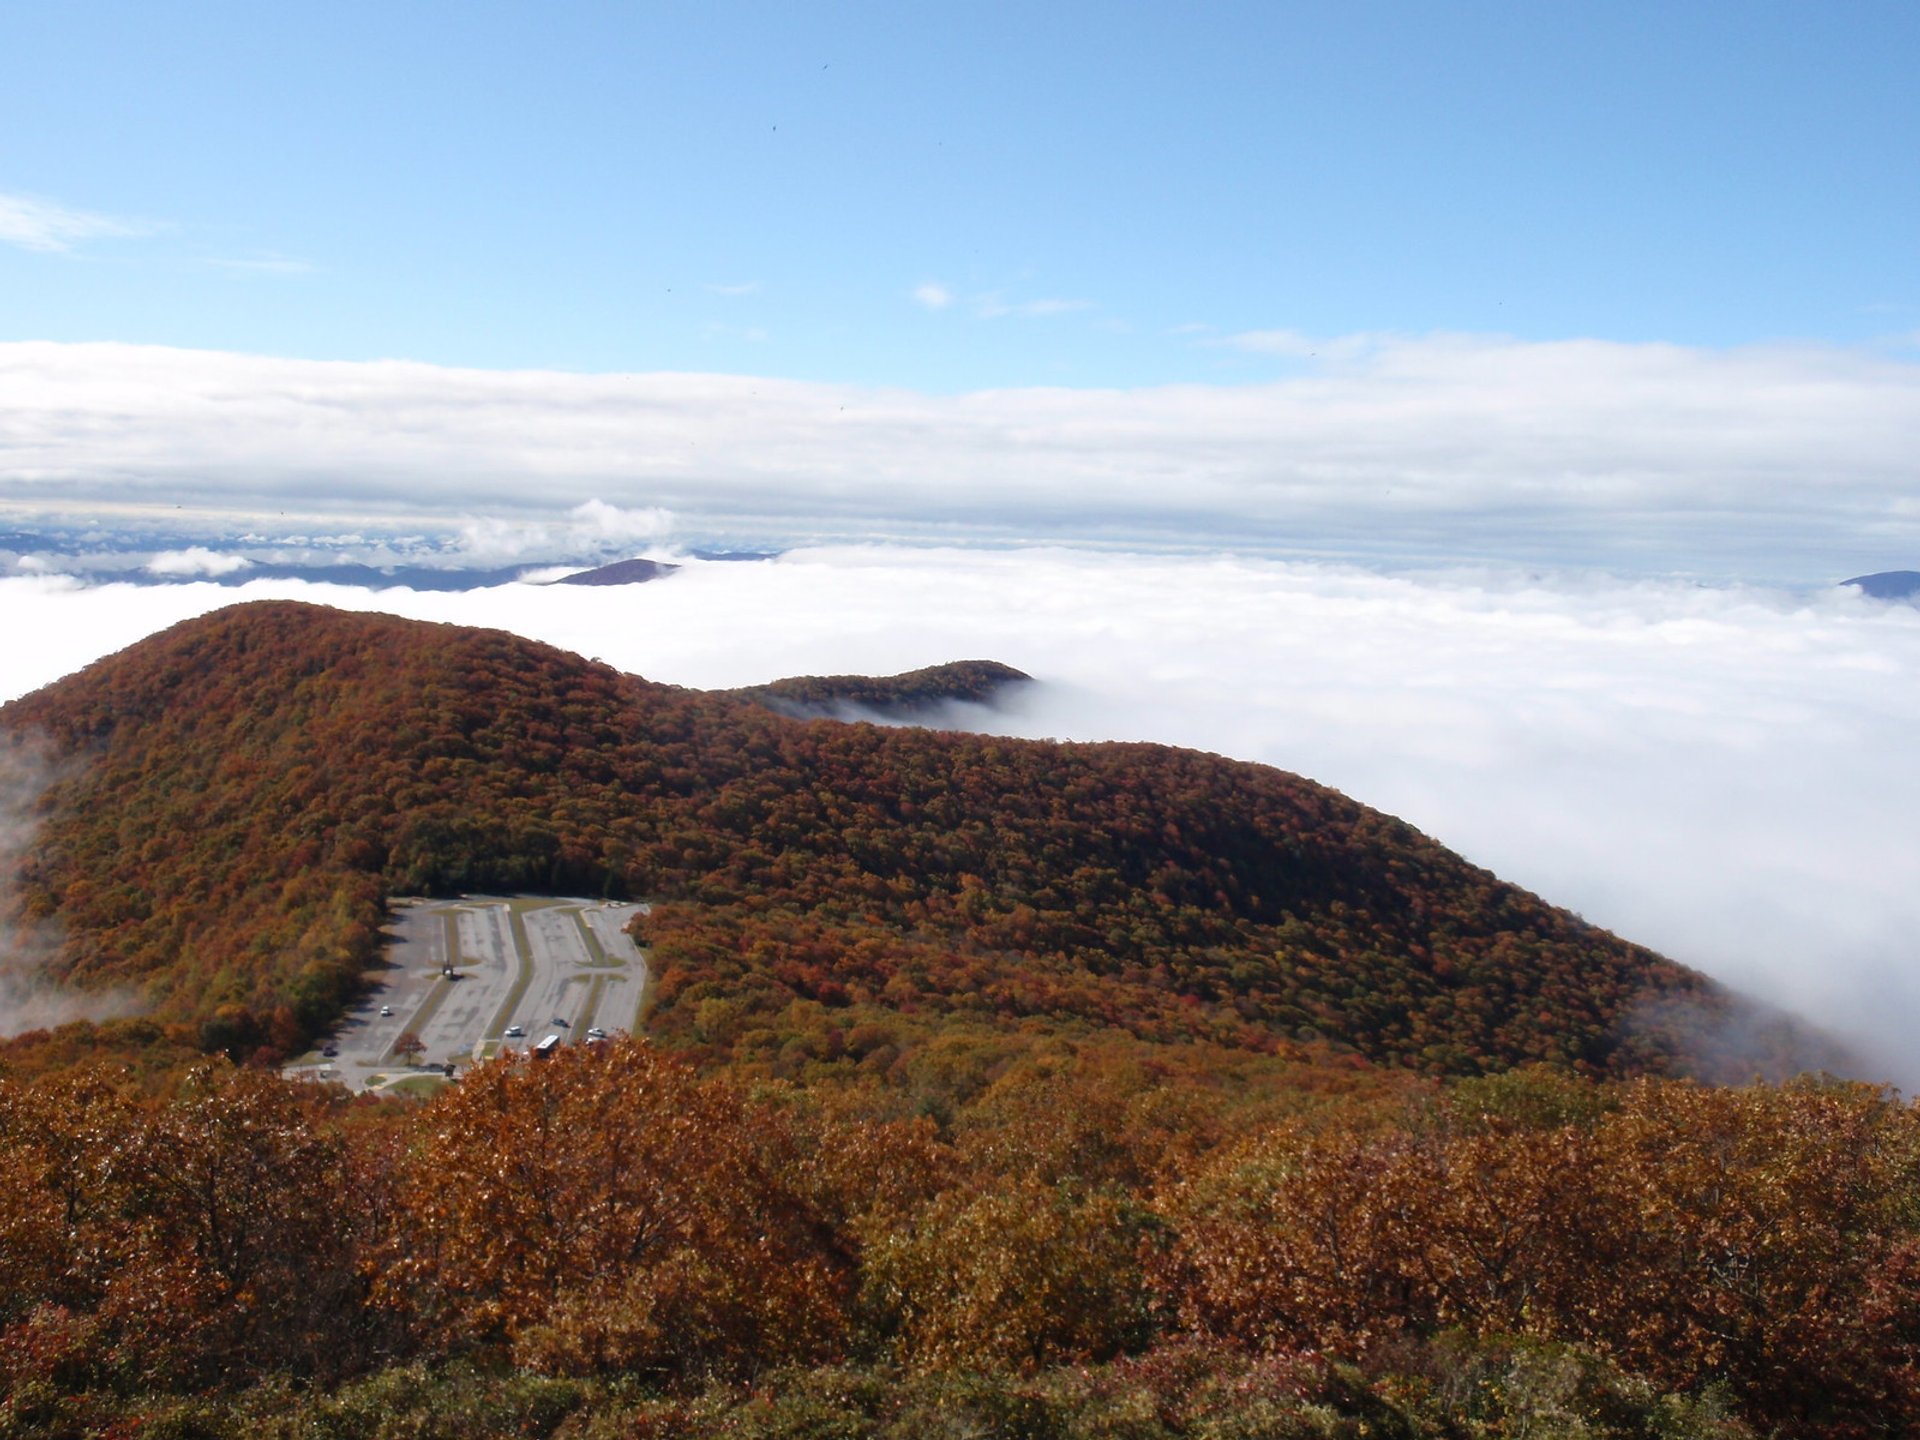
(331, 1051)
(561, 1022)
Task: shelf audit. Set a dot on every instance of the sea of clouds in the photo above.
(1725, 773)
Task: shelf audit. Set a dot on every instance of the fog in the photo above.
(1727, 774)
(27, 1000)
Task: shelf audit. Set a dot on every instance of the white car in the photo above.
(386, 1009)
(514, 1032)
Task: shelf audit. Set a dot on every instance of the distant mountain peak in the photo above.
(916, 694)
(621, 572)
(1888, 584)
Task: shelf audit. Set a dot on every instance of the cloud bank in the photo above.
(1726, 774)
(195, 560)
(592, 529)
(1783, 463)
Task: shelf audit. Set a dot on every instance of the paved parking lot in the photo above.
(461, 974)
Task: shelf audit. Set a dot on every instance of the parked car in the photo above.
(331, 1051)
(386, 1009)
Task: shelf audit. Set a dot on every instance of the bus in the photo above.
(546, 1047)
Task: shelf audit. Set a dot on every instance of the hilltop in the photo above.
(912, 696)
(240, 796)
(621, 572)
(1888, 584)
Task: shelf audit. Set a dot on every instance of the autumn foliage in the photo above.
(1755, 1238)
(213, 1234)
(609, 1210)
(1747, 1253)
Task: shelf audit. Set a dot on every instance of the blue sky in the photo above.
(1104, 195)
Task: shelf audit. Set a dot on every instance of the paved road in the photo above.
(531, 962)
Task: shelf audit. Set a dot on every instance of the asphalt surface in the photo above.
(542, 965)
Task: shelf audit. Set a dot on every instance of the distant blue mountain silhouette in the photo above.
(1889, 584)
(621, 572)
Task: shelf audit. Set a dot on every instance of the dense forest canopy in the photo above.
(1102, 1238)
(916, 694)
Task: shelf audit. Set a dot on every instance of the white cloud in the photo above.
(46, 225)
(1271, 342)
(265, 264)
(1330, 349)
(195, 560)
(1727, 774)
(592, 529)
(1789, 462)
(933, 296)
(994, 307)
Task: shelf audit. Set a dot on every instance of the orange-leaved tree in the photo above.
(608, 1209)
(1013, 1272)
(214, 1234)
(1764, 1239)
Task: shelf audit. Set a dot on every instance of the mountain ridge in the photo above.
(242, 793)
(1888, 584)
(910, 696)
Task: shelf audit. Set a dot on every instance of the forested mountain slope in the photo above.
(238, 796)
(910, 696)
